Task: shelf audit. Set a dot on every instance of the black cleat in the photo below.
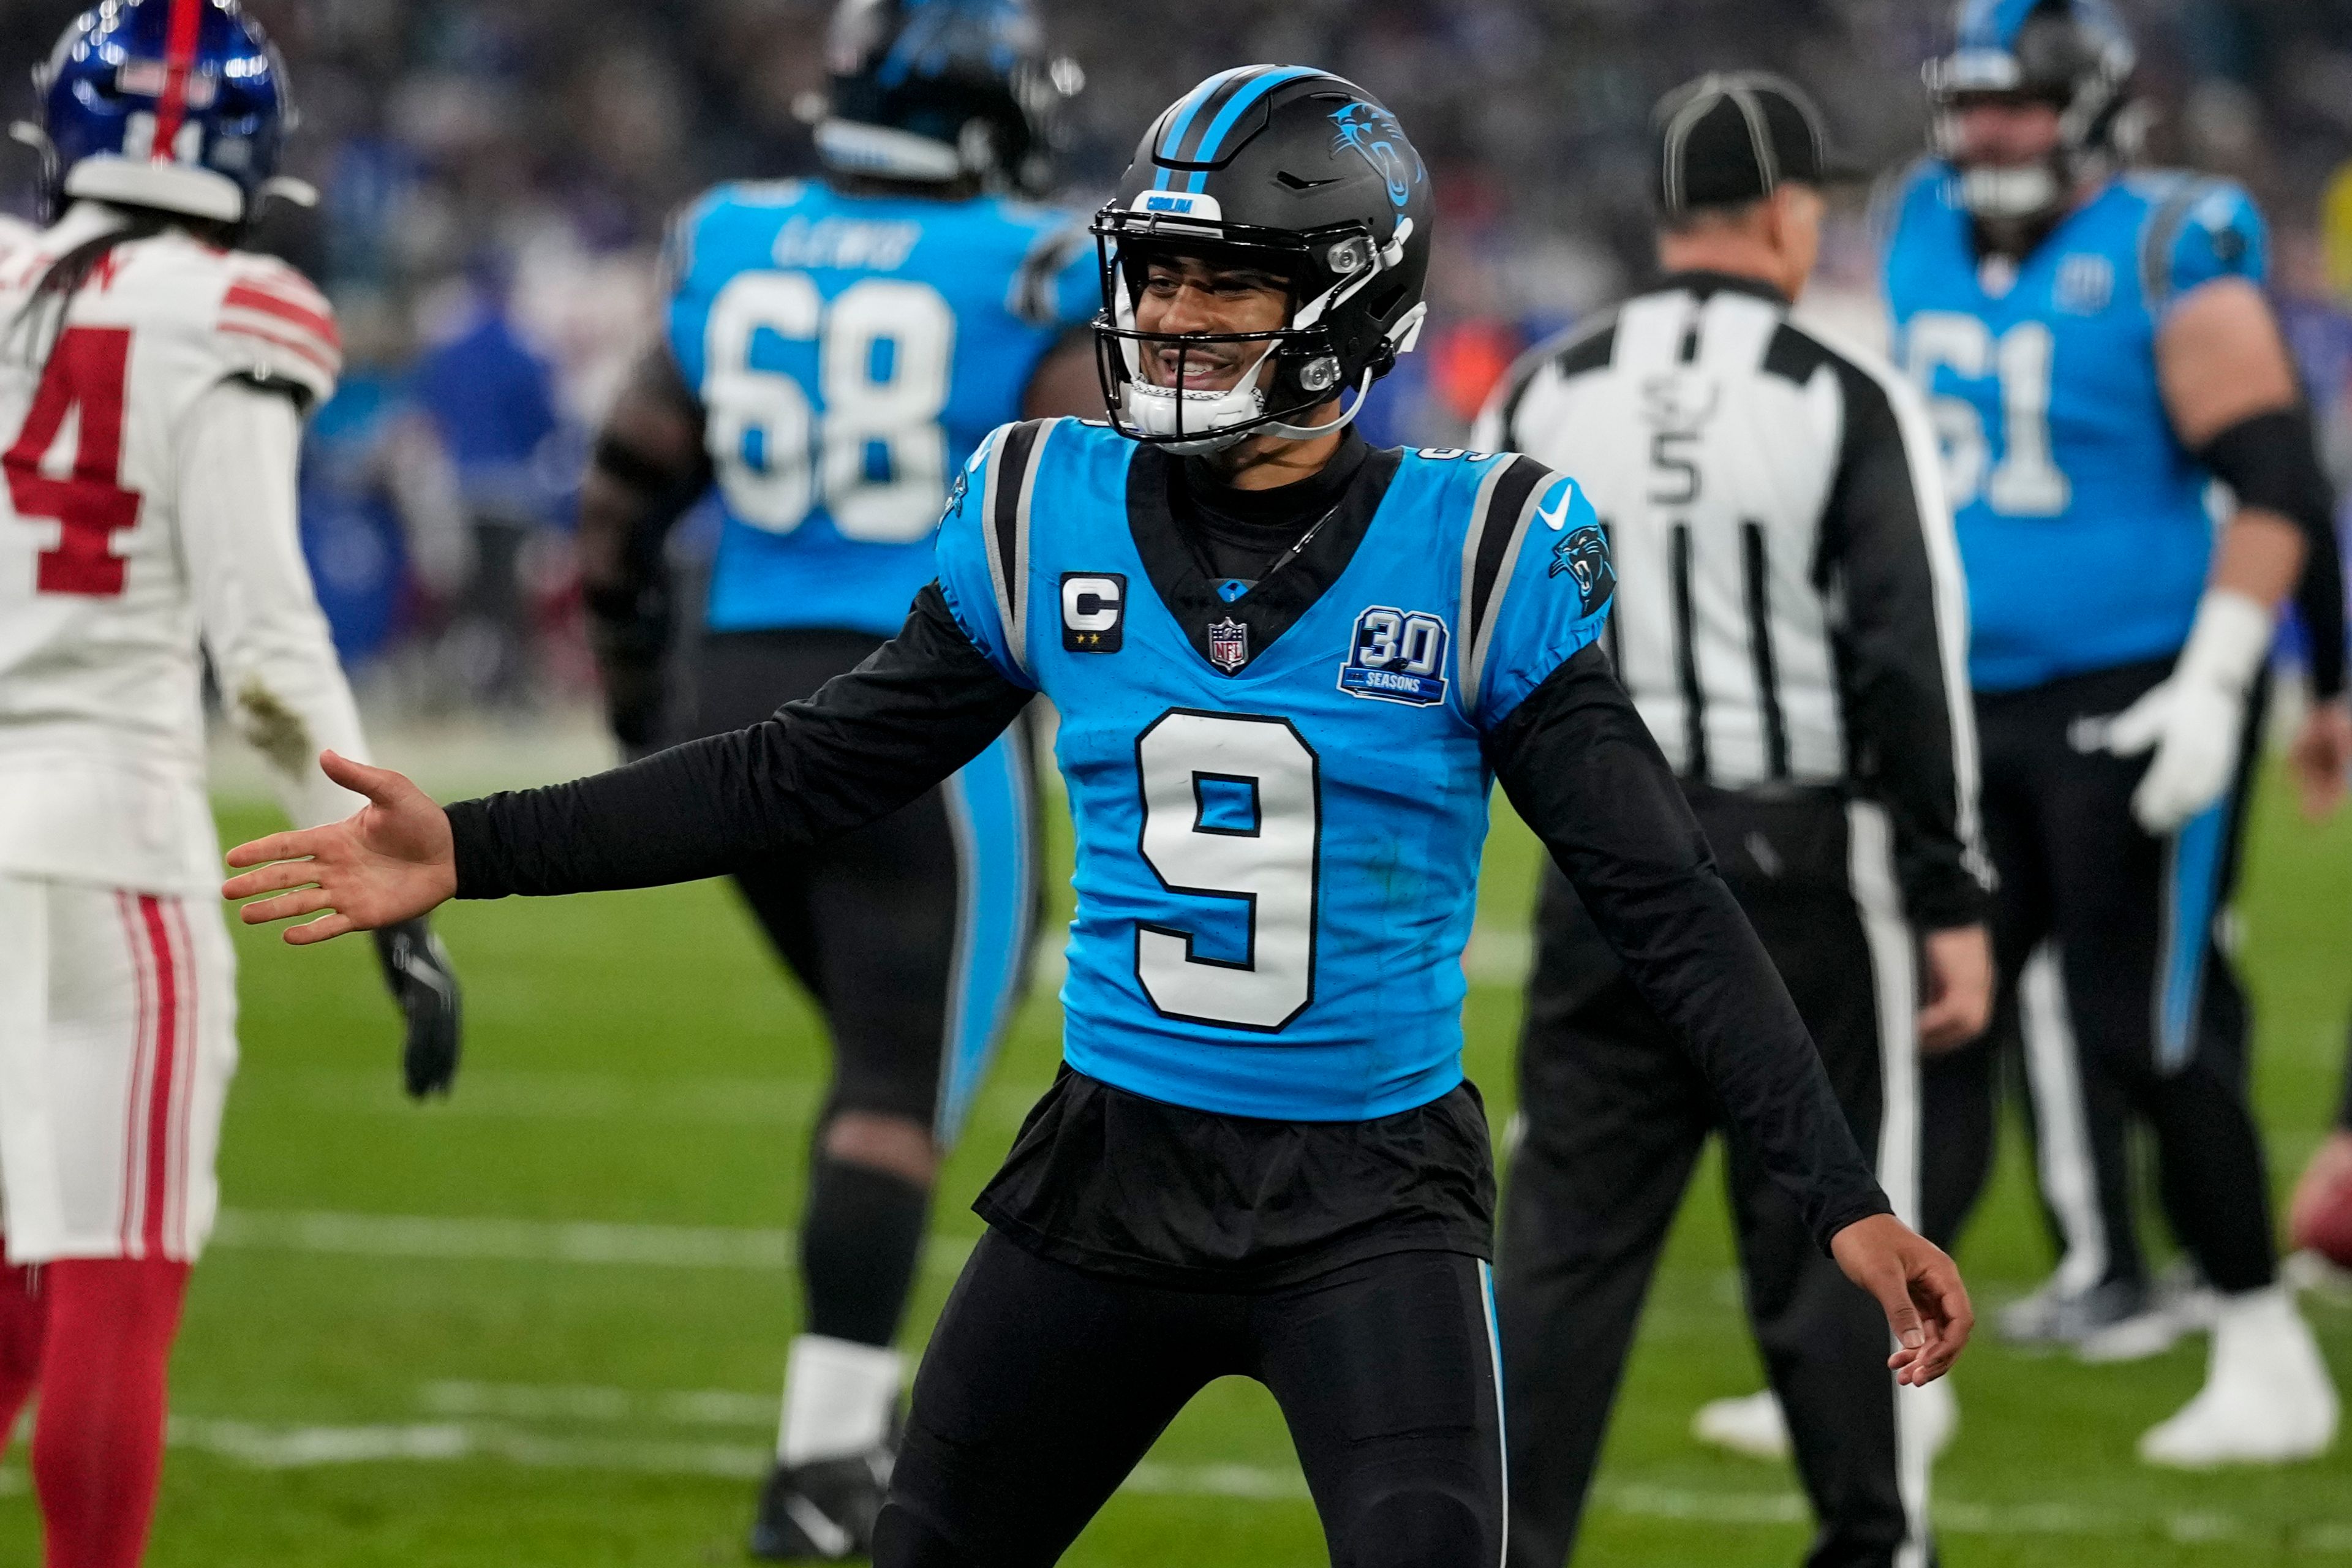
(821, 1512)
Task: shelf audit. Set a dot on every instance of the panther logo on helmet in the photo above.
(1375, 135)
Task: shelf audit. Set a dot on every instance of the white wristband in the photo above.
(2227, 644)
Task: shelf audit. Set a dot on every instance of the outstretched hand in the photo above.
(392, 861)
(1927, 1305)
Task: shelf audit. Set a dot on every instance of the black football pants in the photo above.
(2118, 1004)
(1044, 1384)
(1614, 1117)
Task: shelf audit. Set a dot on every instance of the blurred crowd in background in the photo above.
(497, 175)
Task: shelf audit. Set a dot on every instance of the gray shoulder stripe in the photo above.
(1464, 632)
(998, 577)
(1474, 675)
(2156, 238)
(1020, 623)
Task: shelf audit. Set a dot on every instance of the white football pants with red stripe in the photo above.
(117, 1018)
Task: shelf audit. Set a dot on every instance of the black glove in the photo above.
(416, 970)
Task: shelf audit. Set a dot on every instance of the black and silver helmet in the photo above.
(1294, 172)
(2074, 55)
(940, 90)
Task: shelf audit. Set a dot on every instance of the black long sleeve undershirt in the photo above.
(926, 703)
(1574, 757)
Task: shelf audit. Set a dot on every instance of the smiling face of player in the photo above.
(2004, 132)
(1207, 296)
(1189, 295)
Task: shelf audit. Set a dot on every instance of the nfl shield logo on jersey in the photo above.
(1228, 644)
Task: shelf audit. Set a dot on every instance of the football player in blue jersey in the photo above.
(834, 351)
(2099, 351)
(1290, 669)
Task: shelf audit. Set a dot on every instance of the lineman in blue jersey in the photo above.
(1290, 669)
(835, 350)
(2097, 350)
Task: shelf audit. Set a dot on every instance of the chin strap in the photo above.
(1402, 338)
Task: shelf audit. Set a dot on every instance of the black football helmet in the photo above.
(933, 91)
(1288, 169)
(2074, 55)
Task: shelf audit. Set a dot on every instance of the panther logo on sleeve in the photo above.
(1584, 556)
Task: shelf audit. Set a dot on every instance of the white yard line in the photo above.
(491, 1096)
(552, 1097)
(559, 1402)
(531, 1241)
(264, 1446)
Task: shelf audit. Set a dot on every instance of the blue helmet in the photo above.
(943, 90)
(2073, 55)
(178, 105)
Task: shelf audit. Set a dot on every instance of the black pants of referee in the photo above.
(1614, 1117)
(1044, 1384)
(2116, 998)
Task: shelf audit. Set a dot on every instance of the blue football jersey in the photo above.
(2083, 521)
(849, 351)
(1278, 820)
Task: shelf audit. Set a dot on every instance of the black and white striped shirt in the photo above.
(1790, 609)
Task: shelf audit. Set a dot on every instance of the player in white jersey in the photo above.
(152, 383)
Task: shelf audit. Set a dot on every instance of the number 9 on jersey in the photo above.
(1231, 810)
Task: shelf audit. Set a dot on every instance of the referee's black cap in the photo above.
(1734, 137)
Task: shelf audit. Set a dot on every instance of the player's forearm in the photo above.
(1585, 772)
(2259, 555)
(867, 743)
(283, 686)
(2230, 393)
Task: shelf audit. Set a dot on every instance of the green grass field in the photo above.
(544, 1322)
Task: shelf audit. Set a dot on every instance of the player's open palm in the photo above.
(392, 861)
(1918, 1286)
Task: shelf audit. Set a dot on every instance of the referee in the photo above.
(1790, 623)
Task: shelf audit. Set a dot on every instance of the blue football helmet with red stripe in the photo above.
(178, 105)
(1289, 171)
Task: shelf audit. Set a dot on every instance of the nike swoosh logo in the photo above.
(1556, 517)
